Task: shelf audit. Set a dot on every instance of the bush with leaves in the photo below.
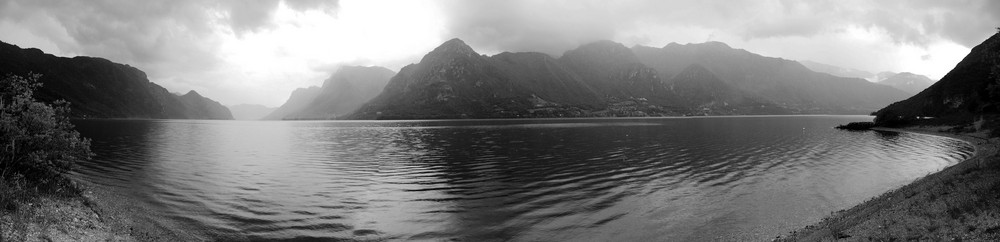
(37, 142)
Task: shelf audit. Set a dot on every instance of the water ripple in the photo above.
(747, 178)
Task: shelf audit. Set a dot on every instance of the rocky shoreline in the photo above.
(92, 214)
(960, 202)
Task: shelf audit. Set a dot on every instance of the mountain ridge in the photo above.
(608, 79)
(908, 82)
(785, 83)
(99, 88)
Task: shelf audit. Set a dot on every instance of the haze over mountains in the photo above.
(908, 82)
(905, 81)
(98, 88)
(840, 71)
(297, 101)
(343, 92)
(250, 111)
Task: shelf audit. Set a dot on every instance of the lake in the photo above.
(662, 179)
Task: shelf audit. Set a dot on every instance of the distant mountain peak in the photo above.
(911, 74)
(192, 93)
(909, 82)
(454, 46)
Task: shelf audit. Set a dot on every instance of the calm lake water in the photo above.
(674, 179)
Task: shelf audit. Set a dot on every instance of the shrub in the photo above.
(37, 140)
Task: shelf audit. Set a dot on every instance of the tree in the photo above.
(37, 141)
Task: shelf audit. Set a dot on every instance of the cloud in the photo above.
(553, 26)
(524, 25)
(250, 15)
(329, 6)
(159, 36)
(245, 49)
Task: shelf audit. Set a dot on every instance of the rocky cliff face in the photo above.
(98, 88)
(970, 90)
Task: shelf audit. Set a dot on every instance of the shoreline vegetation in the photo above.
(39, 198)
(959, 202)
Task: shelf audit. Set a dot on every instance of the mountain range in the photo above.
(99, 88)
(840, 71)
(905, 81)
(608, 79)
(600, 79)
(908, 82)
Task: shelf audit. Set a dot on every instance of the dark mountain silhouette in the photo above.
(908, 82)
(970, 90)
(786, 83)
(297, 101)
(346, 90)
(453, 81)
(194, 106)
(98, 88)
(250, 111)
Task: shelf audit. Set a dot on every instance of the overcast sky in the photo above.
(238, 51)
